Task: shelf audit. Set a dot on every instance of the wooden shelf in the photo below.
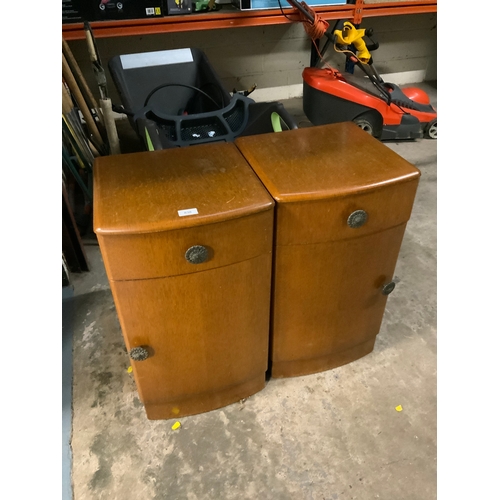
(230, 17)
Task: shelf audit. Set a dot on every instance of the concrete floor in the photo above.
(328, 436)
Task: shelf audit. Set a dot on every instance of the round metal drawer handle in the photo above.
(357, 218)
(139, 353)
(197, 254)
(389, 288)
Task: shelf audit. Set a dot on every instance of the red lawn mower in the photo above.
(380, 108)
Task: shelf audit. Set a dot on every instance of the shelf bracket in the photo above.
(358, 12)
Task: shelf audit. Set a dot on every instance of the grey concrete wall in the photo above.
(273, 57)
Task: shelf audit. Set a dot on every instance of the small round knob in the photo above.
(357, 218)
(197, 254)
(138, 353)
(387, 289)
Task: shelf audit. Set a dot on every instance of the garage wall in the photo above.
(273, 57)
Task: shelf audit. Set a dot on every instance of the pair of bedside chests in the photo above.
(227, 260)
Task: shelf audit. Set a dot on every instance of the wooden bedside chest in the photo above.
(186, 238)
(343, 200)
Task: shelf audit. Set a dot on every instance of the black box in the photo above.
(175, 7)
(107, 10)
(75, 11)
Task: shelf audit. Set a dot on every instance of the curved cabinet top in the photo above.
(174, 188)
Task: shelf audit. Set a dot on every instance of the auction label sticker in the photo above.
(187, 211)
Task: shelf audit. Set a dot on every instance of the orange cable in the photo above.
(315, 30)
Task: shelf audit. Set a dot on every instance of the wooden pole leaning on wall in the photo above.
(105, 101)
(67, 105)
(80, 79)
(75, 90)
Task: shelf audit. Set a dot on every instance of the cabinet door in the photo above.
(328, 296)
(205, 332)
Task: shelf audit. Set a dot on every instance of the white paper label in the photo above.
(188, 211)
(156, 58)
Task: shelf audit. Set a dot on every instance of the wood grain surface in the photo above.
(328, 299)
(207, 334)
(161, 254)
(328, 303)
(143, 192)
(323, 162)
(205, 326)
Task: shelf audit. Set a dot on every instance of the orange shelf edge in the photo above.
(398, 8)
(218, 20)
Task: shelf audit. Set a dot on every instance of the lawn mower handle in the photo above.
(298, 6)
(360, 46)
(331, 37)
